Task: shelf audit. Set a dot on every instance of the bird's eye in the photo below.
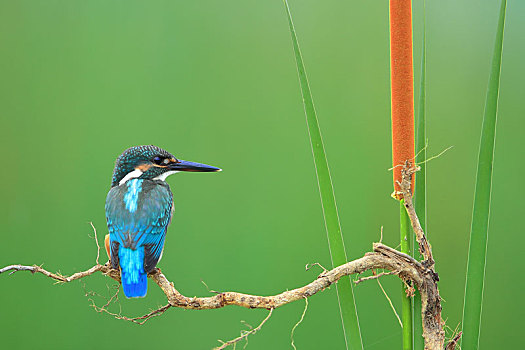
(158, 160)
(166, 161)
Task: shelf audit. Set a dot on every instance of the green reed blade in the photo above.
(480, 215)
(345, 293)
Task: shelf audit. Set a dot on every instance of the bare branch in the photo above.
(431, 302)
(424, 247)
(406, 267)
(383, 257)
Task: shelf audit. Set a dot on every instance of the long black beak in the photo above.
(184, 165)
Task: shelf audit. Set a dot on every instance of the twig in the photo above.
(113, 297)
(245, 334)
(208, 288)
(373, 277)
(58, 277)
(309, 266)
(453, 342)
(434, 157)
(145, 318)
(96, 241)
(299, 322)
(424, 161)
(390, 302)
(140, 320)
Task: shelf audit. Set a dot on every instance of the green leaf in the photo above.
(345, 293)
(480, 215)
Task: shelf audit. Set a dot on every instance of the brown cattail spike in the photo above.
(402, 87)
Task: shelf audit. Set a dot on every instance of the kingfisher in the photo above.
(139, 207)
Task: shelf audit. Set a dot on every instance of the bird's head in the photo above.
(151, 162)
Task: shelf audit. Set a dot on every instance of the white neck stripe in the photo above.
(163, 176)
(131, 175)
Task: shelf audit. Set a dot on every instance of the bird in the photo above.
(139, 208)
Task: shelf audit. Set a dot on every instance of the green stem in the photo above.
(481, 211)
(406, 301)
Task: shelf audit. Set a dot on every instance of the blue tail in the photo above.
(134, 279)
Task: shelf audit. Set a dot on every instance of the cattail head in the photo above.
(402, 87)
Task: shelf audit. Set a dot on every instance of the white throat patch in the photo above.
(163, 176)
(131, 175)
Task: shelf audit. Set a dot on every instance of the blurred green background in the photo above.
(215, 82)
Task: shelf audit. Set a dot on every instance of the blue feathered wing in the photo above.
(138, 213)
